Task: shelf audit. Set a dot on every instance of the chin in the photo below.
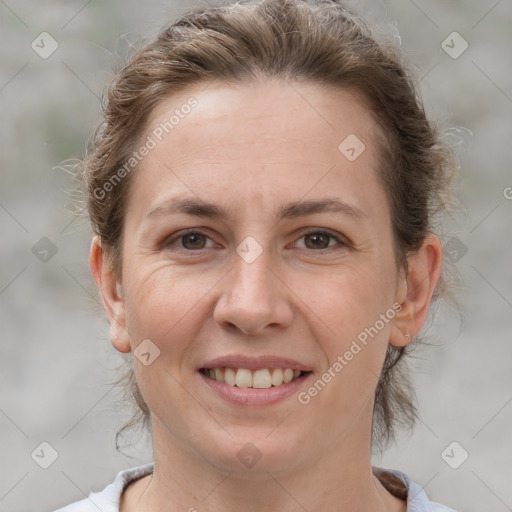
(255, 454)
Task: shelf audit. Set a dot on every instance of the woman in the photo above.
(264, 192)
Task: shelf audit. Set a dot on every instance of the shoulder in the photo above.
(108, 499)
(400, 485)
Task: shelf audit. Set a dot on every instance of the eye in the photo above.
(193, 240)
(190, 240)
(320, 240)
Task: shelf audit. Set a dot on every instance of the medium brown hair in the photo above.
(314, 42)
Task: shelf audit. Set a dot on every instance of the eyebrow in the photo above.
(290, 210)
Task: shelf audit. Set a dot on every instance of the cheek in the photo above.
(160, 303)
(168, 309)
(355, 309)
(351, 300)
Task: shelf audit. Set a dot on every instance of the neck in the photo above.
(337, 479)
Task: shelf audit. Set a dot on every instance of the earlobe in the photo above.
(400, 336)
(110, 290)
(415, 291)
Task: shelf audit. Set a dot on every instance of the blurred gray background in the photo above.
(55, 356)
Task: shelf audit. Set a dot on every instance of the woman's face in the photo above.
(258, 237)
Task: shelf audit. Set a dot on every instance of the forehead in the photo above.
(282, 108)
(267, 137)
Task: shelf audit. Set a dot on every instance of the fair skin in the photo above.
(251, 150)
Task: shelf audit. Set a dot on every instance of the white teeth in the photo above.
(287, 375)
(262, 378)
(243, 378)
(277, 377)
(229, 376)
(218, 375)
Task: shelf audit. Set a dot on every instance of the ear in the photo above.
(415, 290)
(111, 294)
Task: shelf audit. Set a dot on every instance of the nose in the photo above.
(253, 299)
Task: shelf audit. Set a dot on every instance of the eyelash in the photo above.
(169, 242)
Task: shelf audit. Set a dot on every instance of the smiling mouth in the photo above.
(262, 378)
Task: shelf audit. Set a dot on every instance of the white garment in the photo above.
(108, 499)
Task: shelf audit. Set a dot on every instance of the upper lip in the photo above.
(254, 363)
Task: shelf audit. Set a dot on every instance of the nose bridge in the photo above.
(251, 281)
(252, 299)
(250, 267)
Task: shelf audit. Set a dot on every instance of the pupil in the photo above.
(194, 239)
(319, 240)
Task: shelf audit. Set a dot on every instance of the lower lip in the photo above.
(253, 396)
